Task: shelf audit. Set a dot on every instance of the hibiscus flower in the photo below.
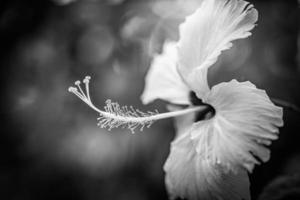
(222, 131)
(211, 158)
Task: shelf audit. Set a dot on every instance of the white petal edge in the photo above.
(209, 31)
(246, 121)
(190, 176)
(163, 81)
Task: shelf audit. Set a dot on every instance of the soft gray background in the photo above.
(50, 146)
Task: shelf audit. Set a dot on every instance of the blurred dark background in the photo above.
(50, 146)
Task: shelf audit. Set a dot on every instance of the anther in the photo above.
(77, 83)
(86, 79)
(72, 89)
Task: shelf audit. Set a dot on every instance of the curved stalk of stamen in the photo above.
(156, 116)
(114, 115)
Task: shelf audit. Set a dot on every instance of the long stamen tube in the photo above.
(115, 116)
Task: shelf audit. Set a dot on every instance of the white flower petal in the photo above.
(245, 122)
(190, 176)
(182, 123)
(207, 32)
(163, 80)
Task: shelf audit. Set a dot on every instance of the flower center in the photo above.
(203, 115)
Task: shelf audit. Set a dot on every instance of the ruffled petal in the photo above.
(245, 122)
(190, 176)
(163, 80)
(206, 33)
